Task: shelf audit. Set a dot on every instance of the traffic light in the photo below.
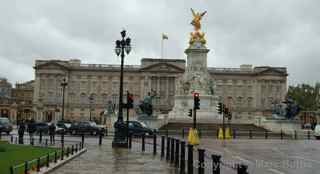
(129, 101)
(190, 113)
(220, 108)
(196, 101)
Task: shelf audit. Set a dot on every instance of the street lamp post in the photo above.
(63, 84)
(120, 137)
(90, 107)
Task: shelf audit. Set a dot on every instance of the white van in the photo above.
(317, 131)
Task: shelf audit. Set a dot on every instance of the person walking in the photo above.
(21, 130)
(52, 131)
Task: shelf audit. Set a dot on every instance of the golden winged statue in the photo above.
(197, 35)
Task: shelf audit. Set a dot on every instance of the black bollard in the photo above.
(100, 138)
(130, 141)
(168, 149)
(26, 167)
(177, 153)
(62, 154)
(266, 134)
(143, 143)
(182, 157)
(38, 165)
(234, 133)
(190, 159)
(201, 161)
(154, 144)
(172, 150)
(40, 137)
(162, 147)
(216, 164)
(182, 133)
(242, 169)
(250, 134)
(82, 141)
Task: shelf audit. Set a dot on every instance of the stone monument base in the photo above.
(206, 114)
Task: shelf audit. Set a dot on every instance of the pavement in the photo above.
(105, 159)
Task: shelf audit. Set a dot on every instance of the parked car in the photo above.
(317, 131)
(139, 128)
(5, 125)
(65, 125)
(85, 127)
(41, 127)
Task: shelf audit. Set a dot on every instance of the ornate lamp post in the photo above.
(63, 84)
(90, 109)
(120, 138)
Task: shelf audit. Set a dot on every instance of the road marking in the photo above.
(242, 159)
(276, 171)
(299, 157)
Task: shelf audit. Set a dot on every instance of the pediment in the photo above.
(51, 65)
(272, 71)
(162, 67)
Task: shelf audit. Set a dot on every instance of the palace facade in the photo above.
(247, 90)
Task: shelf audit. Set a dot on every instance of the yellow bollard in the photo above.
(228, 133)
(196, 140)
(190, 135)
(220, 135)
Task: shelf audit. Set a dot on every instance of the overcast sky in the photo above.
(265, 32)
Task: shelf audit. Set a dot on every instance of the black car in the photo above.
(5, 125)
(85, 127)
(139, 128)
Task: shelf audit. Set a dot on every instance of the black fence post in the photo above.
(154, 143)
(250, 134)
(190, 159)
(48, 159)
(183, 157)
(76, 147)
(216, 164)
(72, 149)
(38, 165)
(266, 134)
(26, 167)
(162, 147)
(234, 133)
(82, 140)
(177, 153)
(130, 141)
(172, 150)
(11, 170)
(201, 161)
(242, 169)
(46, 143)
(168, 149)
(55, 157)
(67, 151)
(100, 138)
(143, 143)
(62, 154)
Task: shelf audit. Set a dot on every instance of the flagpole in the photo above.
(162, 47)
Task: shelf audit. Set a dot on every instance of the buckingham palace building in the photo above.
(248, 91)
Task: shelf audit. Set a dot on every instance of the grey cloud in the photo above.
(269, 32)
